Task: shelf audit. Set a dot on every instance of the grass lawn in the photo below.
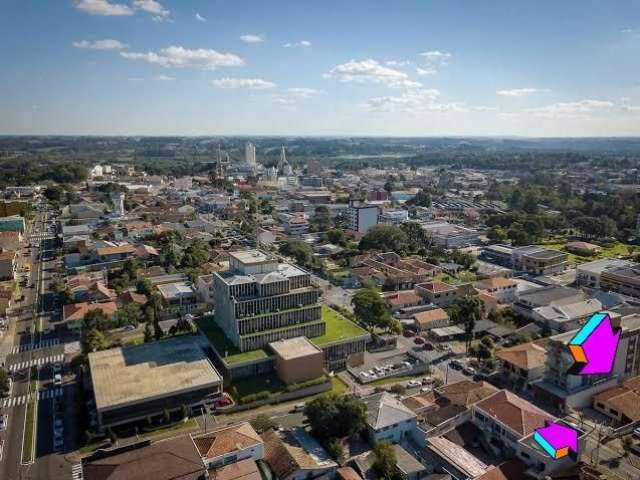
(27, 443)
(615, 250)
(250, 385)
(462, 277)
(191, 423)
(338, 385)
(223, 346)
(398, 379)
(338, 328)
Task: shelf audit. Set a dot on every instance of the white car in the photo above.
(57, 379)
(413, 383)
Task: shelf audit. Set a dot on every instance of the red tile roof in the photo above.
(514, 412)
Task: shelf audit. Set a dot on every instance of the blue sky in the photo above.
(349, 67)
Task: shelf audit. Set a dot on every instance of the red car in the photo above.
(409, 333)
(418, 340)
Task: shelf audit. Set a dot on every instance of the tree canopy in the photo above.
(387, 238)
(336, 416)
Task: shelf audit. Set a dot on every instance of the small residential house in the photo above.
(388, 419)
(229, 445)
(429, 319)
(295, 455)
(523, 363)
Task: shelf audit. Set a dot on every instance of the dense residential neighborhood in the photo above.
(294, 320)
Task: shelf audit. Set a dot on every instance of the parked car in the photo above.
(456, 365)
(413, 383)
(56, 367)
(4, 421)
(469, 371)
(298, 407)
(409, 333)
(418, 340)
(57, 379)
(636, 432)
(427, 381)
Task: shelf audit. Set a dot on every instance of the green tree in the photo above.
(92, 340)
(321, 218)
(299, 250)
(4, 381)
(385, 460)
(468, 311)
(262, 423)
(336, 236)
(422, 199)
(129, 314)
(370, 310)
(144, 286)
(148, 332)
(336, 416)
(387, 238)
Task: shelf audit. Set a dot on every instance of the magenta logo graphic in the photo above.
(557, 440)
(594, 346)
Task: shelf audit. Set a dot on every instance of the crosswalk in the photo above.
(76, 472)
(38, 346)
(41, 236)
(22, 399)
(36, 362)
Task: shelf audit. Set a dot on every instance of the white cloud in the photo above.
(424, 72)
(301, 43)
(252, 38)
(371, 71)
(571, 109)
(301, 92)
(103, 7)
(250, 83)
(153, 7)
(433, 60)
(200, 18)
(164, 78)
(520, 92)
(410, 101)
(398, 63)
(180, 57)
(106, 44)
(436, 55)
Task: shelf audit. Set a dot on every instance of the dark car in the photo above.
(418, 340)
(456, 365)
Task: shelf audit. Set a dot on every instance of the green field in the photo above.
(614, 250)
(338, 328)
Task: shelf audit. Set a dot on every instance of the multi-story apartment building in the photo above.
(261, 300)
(361, 216)
(538, 260)
(8, 264)
(563, 391)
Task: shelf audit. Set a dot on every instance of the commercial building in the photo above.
(180, 298)
(538, 260)
(8, 264)
(589, 274)
(393, 217)
(13, 223)
(132, 383)
(624, 280)
(296, 225)
(10, 240)
(439, 293)
(448, 235)
(261, 300)
(502, 289)
(361, 216)
(9, 208)
(297, 360)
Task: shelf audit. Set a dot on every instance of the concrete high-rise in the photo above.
(250, 154)
(260, 300)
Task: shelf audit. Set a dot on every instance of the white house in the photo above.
(229, 445)
(388, 419)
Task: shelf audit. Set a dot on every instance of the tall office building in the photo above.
(250, 154)
(260, 300)
(361, 216)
